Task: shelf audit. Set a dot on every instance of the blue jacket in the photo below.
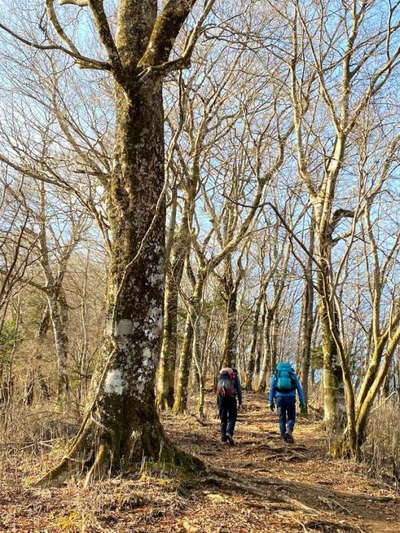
(273, 393)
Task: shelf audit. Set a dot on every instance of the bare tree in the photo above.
(122, 425)
(329, 95)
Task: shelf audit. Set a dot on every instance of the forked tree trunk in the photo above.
(333, 382)
(122, 427)
(333, 387)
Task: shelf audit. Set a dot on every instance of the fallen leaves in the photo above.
(258, 486)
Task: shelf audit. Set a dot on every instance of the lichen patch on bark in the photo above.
(124, 327)
(114, 383)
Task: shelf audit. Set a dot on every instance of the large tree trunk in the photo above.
(121, 427)
(130, 426)
(127, 428)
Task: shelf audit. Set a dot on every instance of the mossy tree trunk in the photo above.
(122, 426)
(186, 355)
(332, 379)
(339, 402)
(337, 387)
(166, 370)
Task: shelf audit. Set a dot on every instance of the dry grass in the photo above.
(259, 486)
(23, 427)
(381, 452)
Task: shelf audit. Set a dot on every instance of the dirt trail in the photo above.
(260, 485)
(304, 489)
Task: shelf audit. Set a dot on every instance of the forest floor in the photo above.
(260, 485)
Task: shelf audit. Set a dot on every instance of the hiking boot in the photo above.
(289, 437)
(224, 440)
(283, 437)
(230, 440)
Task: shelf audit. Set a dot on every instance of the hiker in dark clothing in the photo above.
(282, 393)
(229, 399)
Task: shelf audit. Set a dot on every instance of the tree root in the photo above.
(332, 527)
(99, 456)
(333, 505)
(74, 461)
(224, 474)
(227, 480)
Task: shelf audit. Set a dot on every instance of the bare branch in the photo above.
(79, 3)
(184, 60)
(83, 61)
(105, 35)
(51, 13)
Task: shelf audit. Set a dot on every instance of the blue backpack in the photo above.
(285, 379)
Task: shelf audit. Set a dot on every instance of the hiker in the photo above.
(282, 392)
(229, 400)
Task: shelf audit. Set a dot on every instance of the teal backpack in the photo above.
(285, 380)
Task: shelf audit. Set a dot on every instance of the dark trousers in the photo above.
(227, 414)
(286, 408)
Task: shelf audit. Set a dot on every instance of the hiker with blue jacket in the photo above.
(282, 393)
